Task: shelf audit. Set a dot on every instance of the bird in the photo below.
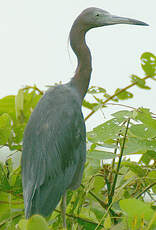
(54, 142)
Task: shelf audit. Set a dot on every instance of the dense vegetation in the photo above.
(116, 192)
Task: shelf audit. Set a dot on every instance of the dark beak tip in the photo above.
(141, 24)
(145, 24)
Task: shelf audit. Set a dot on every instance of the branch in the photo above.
(146, 189)
(114, 95)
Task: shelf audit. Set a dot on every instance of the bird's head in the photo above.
(94, 17)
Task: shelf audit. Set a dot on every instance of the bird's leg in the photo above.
(63, 210)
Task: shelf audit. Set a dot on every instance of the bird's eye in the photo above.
(97, 15)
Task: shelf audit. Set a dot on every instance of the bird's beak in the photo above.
(123, 20)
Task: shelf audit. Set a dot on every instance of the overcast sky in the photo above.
(34, 50)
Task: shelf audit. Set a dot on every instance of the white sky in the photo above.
(33, 45)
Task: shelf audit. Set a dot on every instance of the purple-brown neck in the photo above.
(82, 75)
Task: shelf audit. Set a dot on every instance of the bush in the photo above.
(116, 191)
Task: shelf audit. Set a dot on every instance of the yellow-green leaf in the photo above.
(37, 222)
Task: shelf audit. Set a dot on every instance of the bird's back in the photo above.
(54, 150)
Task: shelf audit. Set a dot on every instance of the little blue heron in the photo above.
(54, 144)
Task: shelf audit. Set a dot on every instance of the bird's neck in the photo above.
(82, 75)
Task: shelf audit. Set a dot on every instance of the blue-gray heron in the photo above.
(54, 144)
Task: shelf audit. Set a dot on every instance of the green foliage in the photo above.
(123, 95)
(138, 213)
(141, 83)
(5, 128)
(115, 189)
(35, 222)
(148, 61)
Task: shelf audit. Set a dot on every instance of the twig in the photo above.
(126, 106)
(14, 203)
(114, 95)
(79, 218)
(35, 88)
(96, 198)
(6, 220)
(145, 189)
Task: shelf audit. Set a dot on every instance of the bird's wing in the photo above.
(53, 154)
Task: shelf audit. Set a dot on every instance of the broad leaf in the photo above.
(148, 61)
(136, 210)
(148, 156)
(141, 83)
(123, 95)
(134, 167)
(88, 105)
(100, 155)
(5, 128)
(144, 115)
(142, 131)
(108, 130)
(37, 222)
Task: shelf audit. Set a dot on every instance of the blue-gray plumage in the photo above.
(54, 150)
(54, 144)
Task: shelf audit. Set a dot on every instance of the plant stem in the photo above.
(113, 162)
(118, 166)
(6, 220)
(79, 218)
(96, 198)
(152, 221)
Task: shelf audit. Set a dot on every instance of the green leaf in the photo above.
(4, 207)
(141, 83)
(87, 226)
(148, 61)
(7, 105)
(152, 179)
(98, 211)
(148, 156)
(98, 185)
(104, 132)
(37, 222)
(89, 105)
(142, 131)
(18, 130)
(107, 222)
(145, 117)
(123, 95)
(137, 210)
(95, 89)
(22, 224)
(30, 101)
(5, 128)
(19, 101)
(121, 226)
(135, 145)
(123, 115)
(100, 155)
(134, 167)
